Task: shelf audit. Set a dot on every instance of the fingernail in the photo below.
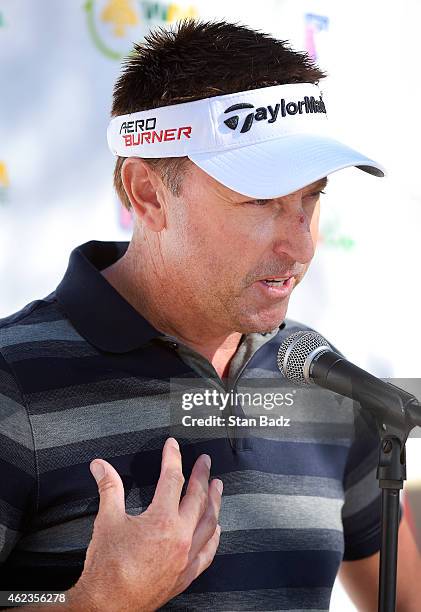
(219, 485)
(207, 460)
(218, 529)
(173, 442)
(97, 471)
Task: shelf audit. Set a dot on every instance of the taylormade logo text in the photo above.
(271, 113)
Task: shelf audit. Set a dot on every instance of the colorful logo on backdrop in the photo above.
(315, 25)
(4, 183)
(331, 236)
(115, 24)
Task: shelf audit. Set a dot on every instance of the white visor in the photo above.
(262, 143)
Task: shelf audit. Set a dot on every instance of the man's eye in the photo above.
(316, 194)
(258, 202)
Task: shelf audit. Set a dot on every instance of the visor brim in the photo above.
(275, 168)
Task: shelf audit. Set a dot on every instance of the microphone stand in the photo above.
(396, 413)
(391, 473)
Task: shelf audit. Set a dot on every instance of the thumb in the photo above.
(111, 489)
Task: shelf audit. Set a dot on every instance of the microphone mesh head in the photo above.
(294, 350)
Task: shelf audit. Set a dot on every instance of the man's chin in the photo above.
(263, 322)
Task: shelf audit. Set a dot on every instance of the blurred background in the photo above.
(58, 64)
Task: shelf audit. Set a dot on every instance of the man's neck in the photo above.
(218, 349)
(220, 357)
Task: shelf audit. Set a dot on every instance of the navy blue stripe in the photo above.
(16, 486)
(31, 577)
(269, 570)
(236, 572)
(48, 349)
(44, 374)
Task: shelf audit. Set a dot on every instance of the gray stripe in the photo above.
(255, 481)
(362, 494)
(68, 536)
(264, 540)
(8, 538)
(52, 330)
(14, 422)
(100, 420)
(265, 511)
(261, 373)
(238, 513)
(102, 391)
(299, 599)
(134, 442)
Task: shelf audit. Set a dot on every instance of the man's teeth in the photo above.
(274, 283)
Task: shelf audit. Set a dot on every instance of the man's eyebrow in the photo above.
(321, 184)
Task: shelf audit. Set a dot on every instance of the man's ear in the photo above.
(144, 189)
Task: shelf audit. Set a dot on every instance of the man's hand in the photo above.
(138, 563)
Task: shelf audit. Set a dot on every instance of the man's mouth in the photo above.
(276, 287)
(275, 282)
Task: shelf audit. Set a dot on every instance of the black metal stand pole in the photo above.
(391, 473)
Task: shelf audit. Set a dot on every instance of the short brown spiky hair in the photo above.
(200, 59)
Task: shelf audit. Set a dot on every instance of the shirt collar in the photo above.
(97, 311)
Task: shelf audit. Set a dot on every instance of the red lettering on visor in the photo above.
(132, 140)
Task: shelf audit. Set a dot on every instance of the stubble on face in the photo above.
(218, 245)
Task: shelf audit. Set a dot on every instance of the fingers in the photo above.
(111, 489)
(204, 558)
(170, 484)
(209, 520)
(194, 502)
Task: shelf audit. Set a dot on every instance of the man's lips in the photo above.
(275, 286)
(279, 277)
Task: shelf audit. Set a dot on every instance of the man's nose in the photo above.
(294, 236)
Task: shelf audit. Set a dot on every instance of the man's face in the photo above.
(223, 251)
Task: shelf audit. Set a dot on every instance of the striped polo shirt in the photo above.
(84, 375)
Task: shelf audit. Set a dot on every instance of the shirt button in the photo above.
(174, 345)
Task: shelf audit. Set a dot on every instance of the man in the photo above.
(223, 152)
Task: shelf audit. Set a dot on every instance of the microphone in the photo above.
(306, 357)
